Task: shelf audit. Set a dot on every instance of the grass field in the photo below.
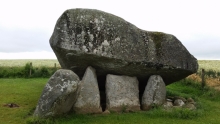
(209, 65)
(23, 92)
(26, 92)
(35, 62)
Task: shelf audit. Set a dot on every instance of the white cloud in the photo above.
(26, 26)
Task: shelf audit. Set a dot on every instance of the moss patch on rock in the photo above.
(157, 38)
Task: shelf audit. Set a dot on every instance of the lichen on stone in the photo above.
(88, 37)
(157, 37)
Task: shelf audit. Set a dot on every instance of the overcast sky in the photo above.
(26, 25)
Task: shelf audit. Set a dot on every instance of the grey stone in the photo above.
(178, 97)
(58, 95)
(167, 105)
(106, 112)
(169, 100)
(179, 102)
(88, 100)
(122, 93)
(155, 92)
(190, 100)
(86, 37)
(190, 106)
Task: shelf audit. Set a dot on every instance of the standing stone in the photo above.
(58, 95)
(89, 97)
(155, 92)
(122, 93)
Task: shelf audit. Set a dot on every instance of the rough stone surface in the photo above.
(106, 112)
(86, 37)
(179, 102)
(178, 97)
(168, 105)
(155, 92)
(88, 100)
(190, 100)
(122, 93)
(190, 106)
(58, 95)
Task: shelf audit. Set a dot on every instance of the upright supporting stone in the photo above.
(122, 93)
(155, 92)
(89, 96)
(58, 95)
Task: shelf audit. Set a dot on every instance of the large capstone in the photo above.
(58, 95)
(122, 93)
(88, 100)
(86, 37)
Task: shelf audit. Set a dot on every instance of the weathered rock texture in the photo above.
(190, 106)
(168, 105)
(155, 92)
(179, 102)
(85, 37)
(88, 100)
(59, 94)
(122, 93)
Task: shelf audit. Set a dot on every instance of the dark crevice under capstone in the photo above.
(101, 84)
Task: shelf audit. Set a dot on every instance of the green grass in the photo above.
(20, 68)
(26, 92)
(24, 72)
(35, 62)
(23, 92)
(209, 65)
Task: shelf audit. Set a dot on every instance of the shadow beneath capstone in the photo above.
(101, 84)
(141, 87)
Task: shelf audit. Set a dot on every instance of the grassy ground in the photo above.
(26, 92)
(23, 92)
(35, 62)
(209, 65)
(212, 73)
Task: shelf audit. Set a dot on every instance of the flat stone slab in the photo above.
(87, 37)
(122, 93)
